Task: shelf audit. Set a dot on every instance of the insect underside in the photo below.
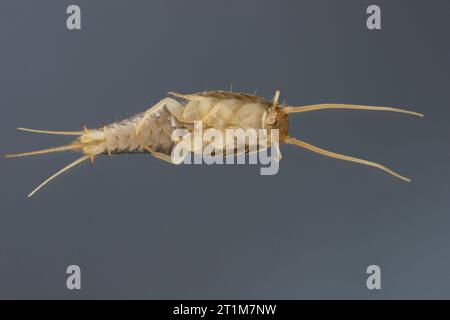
(152, 131)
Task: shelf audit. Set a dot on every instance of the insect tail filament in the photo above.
(66, 168)
(67, 133)
(87, 147)
(72, 146)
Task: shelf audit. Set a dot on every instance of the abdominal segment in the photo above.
(120, 137)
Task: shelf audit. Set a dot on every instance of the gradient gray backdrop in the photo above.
(141, 228)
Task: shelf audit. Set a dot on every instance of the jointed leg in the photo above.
(169, 102)
(308, 146)
(175, 108)
(188, 97)
(159, 155)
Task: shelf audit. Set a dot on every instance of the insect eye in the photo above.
(271, 119)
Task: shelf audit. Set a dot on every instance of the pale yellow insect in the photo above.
(151, 131)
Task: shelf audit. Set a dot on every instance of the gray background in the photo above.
(141, 228)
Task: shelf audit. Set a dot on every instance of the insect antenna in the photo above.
(66, 168)
(276, 98)
(330, 154)
(323, 106)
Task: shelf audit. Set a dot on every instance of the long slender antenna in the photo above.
(275, 98)
(66, 168)
(346, 106)
(49, 150)
(68, 133)
(330, 154)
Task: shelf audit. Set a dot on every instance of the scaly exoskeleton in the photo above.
(152, 130)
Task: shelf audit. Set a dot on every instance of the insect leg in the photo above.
(330, 154)
(174, 107)
(159, 155)
(188, 97)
